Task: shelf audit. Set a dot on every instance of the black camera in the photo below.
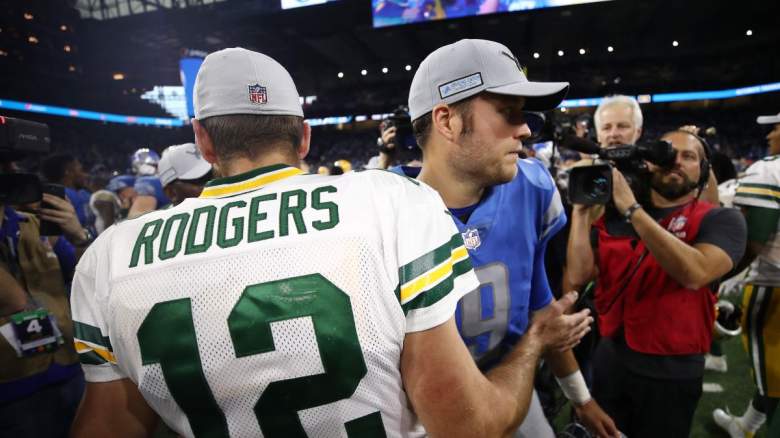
(404, 147)
(591, 185)
(19, 139)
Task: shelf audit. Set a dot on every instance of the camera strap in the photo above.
(622, 288)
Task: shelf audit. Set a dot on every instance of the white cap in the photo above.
(181, 162)
(240, 81)
(769, 120)
(462, 69)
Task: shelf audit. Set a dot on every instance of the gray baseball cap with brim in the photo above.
(456, 71)
(240, 81)
(769, 120)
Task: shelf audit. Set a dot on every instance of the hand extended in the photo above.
(556, 330)
(63, 214)
(596, 420)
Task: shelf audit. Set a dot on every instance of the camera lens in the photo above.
(597, 188)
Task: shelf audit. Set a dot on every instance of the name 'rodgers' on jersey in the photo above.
(274, 305)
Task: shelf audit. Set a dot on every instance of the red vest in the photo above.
(657, 314)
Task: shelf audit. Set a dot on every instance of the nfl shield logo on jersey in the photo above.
(257, 94)
(471, 239)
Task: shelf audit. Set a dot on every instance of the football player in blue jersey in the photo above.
(467, 103)
(149, 191)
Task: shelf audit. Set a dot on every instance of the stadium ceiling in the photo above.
(108, 9)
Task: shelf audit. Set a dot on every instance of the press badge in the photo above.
(35, 332)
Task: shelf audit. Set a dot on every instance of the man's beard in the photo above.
(671, 190)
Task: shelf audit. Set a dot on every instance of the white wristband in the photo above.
(574, 388)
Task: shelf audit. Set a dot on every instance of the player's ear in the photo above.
(445, 122)
(303, 149)
(203, 140)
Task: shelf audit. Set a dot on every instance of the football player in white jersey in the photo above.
(281, 304)
(758, 195)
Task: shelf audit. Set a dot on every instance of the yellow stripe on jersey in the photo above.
(745, 190)
(415, 287)
(251, 184)
(85, 347)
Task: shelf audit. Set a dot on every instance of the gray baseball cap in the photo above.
(240, 81)
(769, 120)
(456, 71)
(181, 162)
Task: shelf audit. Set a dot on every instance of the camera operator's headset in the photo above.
(704, 164)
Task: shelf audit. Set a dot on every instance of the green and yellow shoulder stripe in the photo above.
(430, 277)
(93, 348)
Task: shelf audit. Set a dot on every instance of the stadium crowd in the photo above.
(646, 263)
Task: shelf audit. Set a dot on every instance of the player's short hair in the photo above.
(249, 136)
(619, 99)
(54, 166)
(421, 127)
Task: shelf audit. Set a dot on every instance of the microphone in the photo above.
(580, 145)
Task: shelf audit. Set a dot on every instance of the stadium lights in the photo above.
(118, 76)
(560, 52)
(71, 68)
(385, 70)
(582, 51)
(749, 32)
(363, 72)
(32, 39)
(610, 49)
(66, 48)
(3, 53)
(28, 16)
(408, 67)
(341, 75)
(536, 55)
(675, 43)
(64, 28)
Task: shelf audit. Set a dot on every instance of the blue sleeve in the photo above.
(541, 295)
(66, 255)
(144, 187)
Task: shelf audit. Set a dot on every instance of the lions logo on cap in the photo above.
(471, 239)
(257, 94)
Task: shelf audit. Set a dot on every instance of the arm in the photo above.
(12, 297)
(114, 408)
(567, 373)
(142, 204)
(580, 259)
(761, 225)
(691, 266)
(454, 399)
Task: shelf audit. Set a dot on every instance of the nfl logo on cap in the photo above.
(257, 94)
(471, 239)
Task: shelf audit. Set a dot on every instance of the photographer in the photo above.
(654, 265)
(40, 379)
(396, 143)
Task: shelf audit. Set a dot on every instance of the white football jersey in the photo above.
(760, 187)
(274, 305)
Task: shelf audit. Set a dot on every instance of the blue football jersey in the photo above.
(80, 201)
(151, 186)
(506, 236)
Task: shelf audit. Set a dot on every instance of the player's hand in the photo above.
(62, 213)
(596, 420)
(388, 137)
(622, 195)
(557, 331)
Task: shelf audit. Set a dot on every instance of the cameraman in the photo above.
(39, 390)
(654, 265)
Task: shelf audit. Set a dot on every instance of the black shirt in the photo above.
(722, 227)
